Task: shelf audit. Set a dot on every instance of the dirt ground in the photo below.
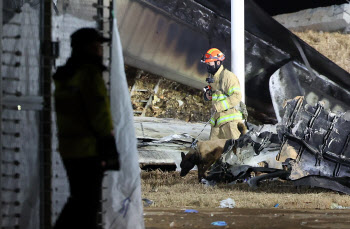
(169, 190)
(162, 218)
(275, 204)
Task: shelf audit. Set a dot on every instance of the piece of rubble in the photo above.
(227, 203)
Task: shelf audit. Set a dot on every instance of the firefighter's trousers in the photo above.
(228, 130)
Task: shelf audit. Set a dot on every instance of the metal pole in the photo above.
(1, 105)
(45, 152)
(237, 42)
(100, 15)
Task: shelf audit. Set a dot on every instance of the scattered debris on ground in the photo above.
(168, 189)
(227, 203)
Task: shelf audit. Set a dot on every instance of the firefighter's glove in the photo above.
(108, 153)
(210, 79)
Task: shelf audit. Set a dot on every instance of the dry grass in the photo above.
(167, 189)
(335, 46)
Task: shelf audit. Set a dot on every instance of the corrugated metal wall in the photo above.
(28, 198)
(21, 105)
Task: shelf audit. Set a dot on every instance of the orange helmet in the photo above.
(213, 54)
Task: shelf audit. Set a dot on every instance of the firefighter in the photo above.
(224, 92)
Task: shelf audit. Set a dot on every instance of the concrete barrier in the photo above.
(332, 18)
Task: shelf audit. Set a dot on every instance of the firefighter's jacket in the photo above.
(82, 109)
(226, 98)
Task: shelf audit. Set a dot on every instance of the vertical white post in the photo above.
(1, 195)
(237, 42)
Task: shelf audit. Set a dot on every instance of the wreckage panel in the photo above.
(343, 171)
(318, 89)
(337, 142)
(161, 140)
(322, 149)
(318, 128)
(318, 131)
(262, 60)
(261, 56)
(323, 89)
(323, 182)
(309, 164)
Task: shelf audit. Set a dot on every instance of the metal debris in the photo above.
(158, 143)
(310, 146)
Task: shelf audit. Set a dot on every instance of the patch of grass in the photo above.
(333, 45)
(168, 189)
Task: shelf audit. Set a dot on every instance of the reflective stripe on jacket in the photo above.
(226, 97)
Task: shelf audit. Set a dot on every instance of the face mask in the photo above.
(211, 69)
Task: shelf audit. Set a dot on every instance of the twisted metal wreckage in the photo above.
(310, 146)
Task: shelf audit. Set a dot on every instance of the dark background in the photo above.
(275, 7)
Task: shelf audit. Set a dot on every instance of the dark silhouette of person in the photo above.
(85, 130)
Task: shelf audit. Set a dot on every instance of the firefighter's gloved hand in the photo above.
(210, 80)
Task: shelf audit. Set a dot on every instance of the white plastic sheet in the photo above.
(123, 203)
